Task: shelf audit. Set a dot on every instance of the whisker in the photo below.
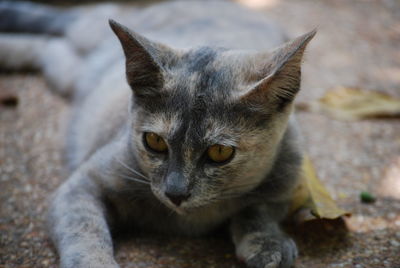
(129, 178)
(134, 179)
(229, 193)
(132, 170)
(134, 194)
(234, 187)
(228, 196)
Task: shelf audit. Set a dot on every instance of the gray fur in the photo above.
(19, 16)
(195, 88)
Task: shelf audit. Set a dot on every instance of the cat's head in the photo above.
(207, 122)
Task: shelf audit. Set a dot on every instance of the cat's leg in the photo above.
(259, 241)
(79, 227)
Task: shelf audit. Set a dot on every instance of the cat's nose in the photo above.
(177, 199)
(176, 187)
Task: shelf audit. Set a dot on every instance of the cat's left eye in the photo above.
(220, 153)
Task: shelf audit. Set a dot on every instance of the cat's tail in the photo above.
(54, 41)
(27, 17)
(25, 29)
(32, 38)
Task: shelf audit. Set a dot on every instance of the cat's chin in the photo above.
(182, 210)
(179, 210)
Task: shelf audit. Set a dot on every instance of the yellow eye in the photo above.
(220, 153)
(155, 142)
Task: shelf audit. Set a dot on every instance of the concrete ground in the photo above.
(358, 44)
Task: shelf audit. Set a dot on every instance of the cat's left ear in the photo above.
(279, 74)
(146, 61)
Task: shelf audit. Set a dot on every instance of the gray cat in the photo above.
(199, 133)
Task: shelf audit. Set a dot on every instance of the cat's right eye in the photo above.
(155, 142)
(219, 153)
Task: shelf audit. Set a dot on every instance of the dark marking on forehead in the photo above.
(199, 59)
(213, 79)
(197, 81)
(201, 90)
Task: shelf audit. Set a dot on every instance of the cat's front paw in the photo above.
(263, 251)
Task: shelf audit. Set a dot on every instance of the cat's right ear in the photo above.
(145, 61)
(278, 74)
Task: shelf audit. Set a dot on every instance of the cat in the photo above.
(192, 124)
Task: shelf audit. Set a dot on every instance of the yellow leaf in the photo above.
(311, 196)
(353, 104)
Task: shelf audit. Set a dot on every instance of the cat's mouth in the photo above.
(186, 208)
(181, 209)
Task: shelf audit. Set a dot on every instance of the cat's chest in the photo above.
(153, 216)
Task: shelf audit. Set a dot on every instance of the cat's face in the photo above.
(206, 123)
(204, 159)
(200, 142)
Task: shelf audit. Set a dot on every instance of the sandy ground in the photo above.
(358, 44)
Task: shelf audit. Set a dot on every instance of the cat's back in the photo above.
(179, 24)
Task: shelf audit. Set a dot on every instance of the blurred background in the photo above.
(353, 62)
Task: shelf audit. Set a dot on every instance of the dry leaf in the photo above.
(311, 200)
(353, 104)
